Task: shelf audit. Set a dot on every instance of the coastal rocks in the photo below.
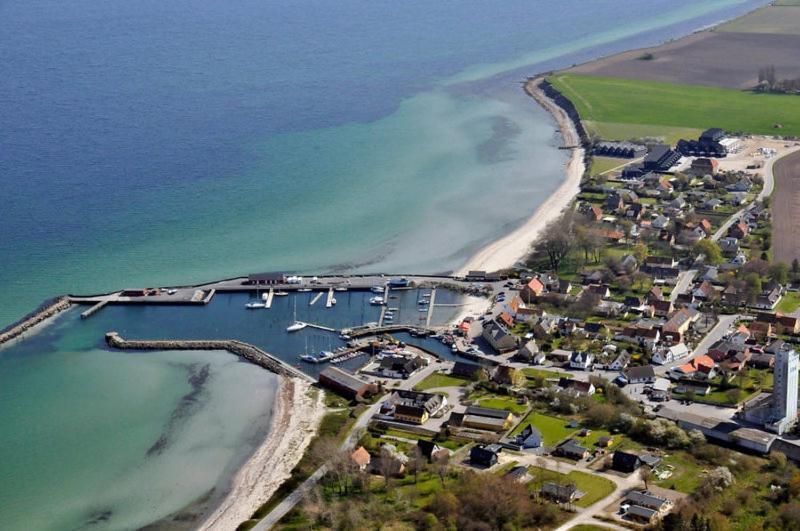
(562, 101)
(26, 323)
(239, 348)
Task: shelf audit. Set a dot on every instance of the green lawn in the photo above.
(602, 165)
(544, 373)
(790, 302)
(554, 429)
(626, 101)
(509, 404)
(687, 474)
(436, 380)
(595, 487)
(666, 133)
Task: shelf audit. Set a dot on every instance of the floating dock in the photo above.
(429, 316)
(329, 300)
(317, 297)
(270, 295)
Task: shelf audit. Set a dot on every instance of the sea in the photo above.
(156, 143)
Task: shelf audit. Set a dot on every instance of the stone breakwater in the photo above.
(239, 348)
(39, 316)
(566, 104)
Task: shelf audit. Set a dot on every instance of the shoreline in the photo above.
(507, 250)
(296, 417)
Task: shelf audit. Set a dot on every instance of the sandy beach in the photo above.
(506, 251)
(295, 420)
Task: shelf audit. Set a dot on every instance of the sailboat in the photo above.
(296, 325)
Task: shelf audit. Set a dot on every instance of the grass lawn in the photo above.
(687, 474)
(666, 133)
(790, 302)
(436, 379)
(509, 404)
(602, 165)
(595, 487)
(625, 101)
(554, 429)
(544, 373)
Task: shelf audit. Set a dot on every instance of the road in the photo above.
(584, 515)
(715, 334)
(685, 279)
(289, 503)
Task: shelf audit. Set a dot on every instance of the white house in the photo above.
(620, 362)
(666, 355)
(581, 360)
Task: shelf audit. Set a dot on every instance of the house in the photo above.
(660, 222)
(483, 418)
(581, 360)
(576, 386)
(702, 367)
(620, 362)
(471, 371)
(557, 492)
(649, 500)
(595, 330)
(564, 286)
(391, 462)
(530, 438)
(601, 290)
(704, 166)
(706, 226)
(739, 230)
(665, 355)
(432, 451)
(768, 299)
(626, 462)
(634, 211)
(605, 441)
(645, 336)
(531, 353)
(400, 366)
(641, 514)
(498, 336)
(572, 450)
(704, 291)
(519, 474)
(625, 150)
(560, 355)
(678, 324)
(762, 360)
(345, 384)
(533, 289)
(484, 455)
(729, 246)
(660, 158)
(742, 185)
(608, 234)
(642, 374)
(592, 212)
(662, 308)
(361, 458)
(415, 407)
(613, 203)
(655, 294)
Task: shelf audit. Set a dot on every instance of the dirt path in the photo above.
(785, 208)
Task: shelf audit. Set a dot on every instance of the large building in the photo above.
(712, 143)
(660, 159)
(784, 394)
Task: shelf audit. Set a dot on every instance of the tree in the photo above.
(779, 272)
(557, 241)
(753, 286)
(640, 252)
(645, 474)
(710, 249)
(795, 268)
(417, 463)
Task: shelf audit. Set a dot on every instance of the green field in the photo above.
(664, 133)
(544, 373)
(595, 487)
(601, 165)
(508, 404)
(603, 100)
(554, 429)
(437, 380)
(789, 303)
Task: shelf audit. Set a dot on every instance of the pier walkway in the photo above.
(329, 300)
(320, 327)
(244, 350)
(270, 295)
(317, 297)
(94, 309)
(429, 315)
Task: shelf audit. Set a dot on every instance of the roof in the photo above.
(487, 412)
(625, 460)
(637, 373)
(361, 456)
(646, 498)
(342, 378)
(572, 446)
(643, 512)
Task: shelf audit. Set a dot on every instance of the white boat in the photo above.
(296, 325)
(423, 301)
(339, 289)
(423, 309)
(333, 301)
(281, 293)
(304, 289)
(377, 301)
(254, 305)
(377, 289)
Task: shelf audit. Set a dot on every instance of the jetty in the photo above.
(244, 350)
(320, 327)
(429, 315)
(270, 295)
(46, 311)
(329, 300)
(94, 309)
(317, 297)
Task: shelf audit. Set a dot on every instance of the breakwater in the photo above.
(42, 314)
(239, 348)
(565, 103)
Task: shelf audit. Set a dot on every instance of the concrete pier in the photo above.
(317, 297)
(430, 308)
(321, 327)
(243, 350)
(94, 309)
(329, 300)
(270, 295)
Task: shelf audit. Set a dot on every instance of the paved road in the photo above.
(288, 503)
(685, 279)
(584, 515)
